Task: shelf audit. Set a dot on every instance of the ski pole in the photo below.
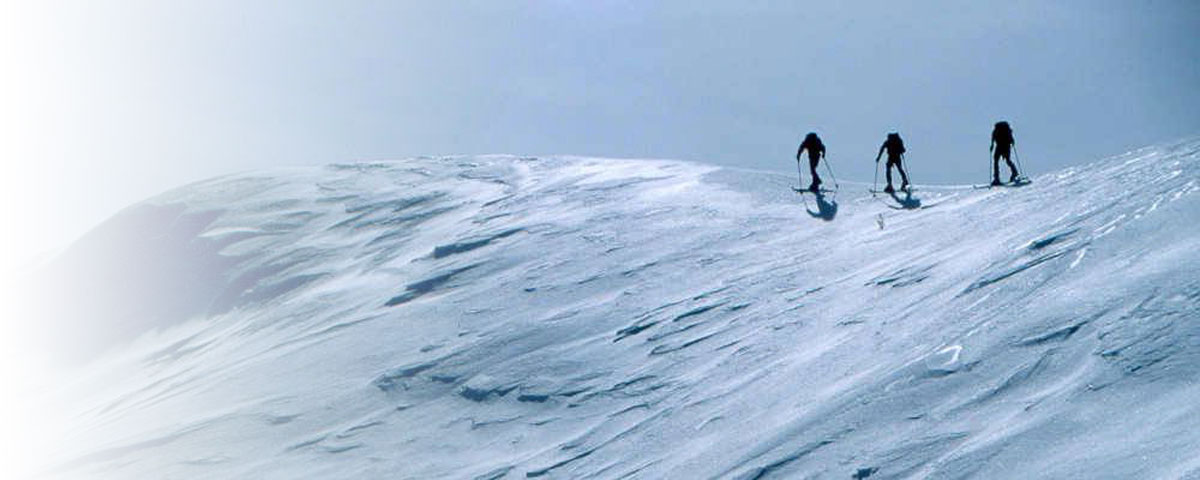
(1017, 157)
(875, 183)
(993, 172)
(831, 175)
(907, 171)
(799, 177)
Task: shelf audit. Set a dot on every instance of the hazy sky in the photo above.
(107, 103)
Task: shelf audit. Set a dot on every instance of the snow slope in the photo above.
(503, 317)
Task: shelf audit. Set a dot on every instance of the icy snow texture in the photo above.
(501, 317)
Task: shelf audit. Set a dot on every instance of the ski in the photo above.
(1021, 182)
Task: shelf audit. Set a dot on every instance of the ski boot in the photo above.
(889, 189)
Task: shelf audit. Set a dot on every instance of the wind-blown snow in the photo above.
(502, 317)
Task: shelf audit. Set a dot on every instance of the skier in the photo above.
(816, 150)
(895, 150)
(1001, 146)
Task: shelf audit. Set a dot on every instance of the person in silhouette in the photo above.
(816, 150)
(895, 154)
(1001, 146)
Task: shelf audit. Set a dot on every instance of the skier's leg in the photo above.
(812, 167)
(903, 176)
(996, 168)
(1012, 168)
(888, 171)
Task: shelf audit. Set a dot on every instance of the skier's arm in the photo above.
(880, 154)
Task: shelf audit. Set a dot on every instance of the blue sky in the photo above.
(111, 102)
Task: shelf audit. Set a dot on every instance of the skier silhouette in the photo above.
(816, 150)
(1001, 146)
(895, 150)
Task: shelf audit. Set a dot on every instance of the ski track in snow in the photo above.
(499, 317)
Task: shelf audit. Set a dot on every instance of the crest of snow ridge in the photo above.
(502, 317)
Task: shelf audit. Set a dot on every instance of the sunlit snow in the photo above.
(499, 317)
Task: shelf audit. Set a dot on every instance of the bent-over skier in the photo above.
(895, 154)
(816, 150)
(1001, 146)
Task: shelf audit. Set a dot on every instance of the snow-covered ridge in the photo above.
(503, 317)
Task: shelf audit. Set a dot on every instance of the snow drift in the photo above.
(501, 317)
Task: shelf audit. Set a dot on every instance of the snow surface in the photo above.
(505, 317)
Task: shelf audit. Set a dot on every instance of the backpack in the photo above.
(1003, 134)
(813, 143)
(895, 146)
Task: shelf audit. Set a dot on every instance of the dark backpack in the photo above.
(813, 143)
(1003, 134)
(894, 145)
